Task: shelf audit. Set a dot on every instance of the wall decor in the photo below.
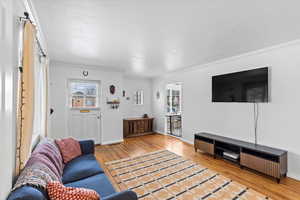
(85, 73)
(157, 95)
(114, 103)
(124, 93)
(139, 97)
(112, 89)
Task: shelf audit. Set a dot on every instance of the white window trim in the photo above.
(69, 95)
(136, 96)
(170, 100)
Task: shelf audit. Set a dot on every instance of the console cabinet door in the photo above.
(205, 146)
(265, 166)
(135, 127)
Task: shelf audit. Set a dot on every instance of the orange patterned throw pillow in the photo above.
(58, 191)
(69, 149)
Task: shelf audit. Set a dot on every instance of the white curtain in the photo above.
(41, 97)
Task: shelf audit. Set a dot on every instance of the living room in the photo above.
(118, 85)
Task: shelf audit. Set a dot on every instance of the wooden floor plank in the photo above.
(288, 189)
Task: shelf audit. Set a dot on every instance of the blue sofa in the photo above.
(84, 172)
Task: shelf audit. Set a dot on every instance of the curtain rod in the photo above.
(27, 18)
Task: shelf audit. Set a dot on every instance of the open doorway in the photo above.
(173, 125)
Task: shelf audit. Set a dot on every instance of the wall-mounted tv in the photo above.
(244, 86)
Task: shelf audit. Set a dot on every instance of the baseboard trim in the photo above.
(187, 141)
(160, 132)
(112, 142)
(180, 138)
(293, 176)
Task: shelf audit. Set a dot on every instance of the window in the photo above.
(84, 94)
(174, 98)
(139, 97)
(39, 122)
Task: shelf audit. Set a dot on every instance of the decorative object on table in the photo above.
(124, 93)
(168, 176)
(114, 103)
(145, 116)
(85, 73)
(112, 89)
(157, 95)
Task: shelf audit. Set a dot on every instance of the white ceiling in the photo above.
(151, 37)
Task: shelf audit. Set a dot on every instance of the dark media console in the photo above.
(267, 160)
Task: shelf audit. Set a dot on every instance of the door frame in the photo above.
(181, 105)
(68, 109)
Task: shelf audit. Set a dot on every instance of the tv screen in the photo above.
(244, 86)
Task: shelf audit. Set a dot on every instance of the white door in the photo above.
(84, 116)
(85, 124)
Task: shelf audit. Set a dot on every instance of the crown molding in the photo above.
(232, 58)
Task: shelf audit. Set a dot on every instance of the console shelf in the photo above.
(266, 160)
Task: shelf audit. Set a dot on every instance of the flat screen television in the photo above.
(244, 86)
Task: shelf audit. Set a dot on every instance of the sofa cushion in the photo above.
(58, 191)
(69, 148)
(87, 146)
(27, 192)
(99, 183)
(81, 167)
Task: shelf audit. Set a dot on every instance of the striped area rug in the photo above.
(163, 175)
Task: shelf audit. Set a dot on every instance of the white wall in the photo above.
(112, 124)
(279, 120)
(131, 85)
(6, 96)
(112, 119)
(10, 10)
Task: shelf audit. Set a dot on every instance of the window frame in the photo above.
(170, 99)
(84, 107)
(139, 94)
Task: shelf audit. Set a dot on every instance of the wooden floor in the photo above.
(287, 189)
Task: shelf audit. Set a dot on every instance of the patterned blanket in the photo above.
(36, 175)
(44, 165)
